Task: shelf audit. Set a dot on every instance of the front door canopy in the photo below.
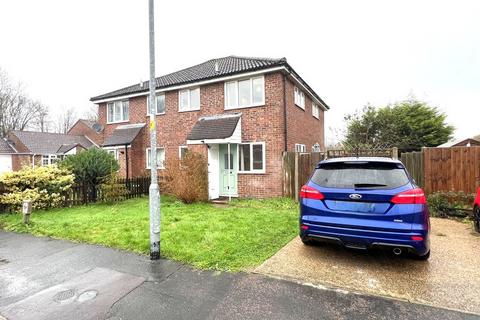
(224, 128)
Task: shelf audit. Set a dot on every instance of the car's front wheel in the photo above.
(476, 218)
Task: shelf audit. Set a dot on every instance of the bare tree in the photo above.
(92, 113)
(66, 120)
(17, 111)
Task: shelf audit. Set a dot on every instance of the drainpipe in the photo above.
(126, 162)
(33, 161)
(285, 112)
(228, 176)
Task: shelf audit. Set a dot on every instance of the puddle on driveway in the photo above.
(450, 278)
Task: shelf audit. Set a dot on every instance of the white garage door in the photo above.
(5, 163)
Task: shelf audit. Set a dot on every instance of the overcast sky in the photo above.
(351, 52)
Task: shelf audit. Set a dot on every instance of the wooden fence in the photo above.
(82, 194)
(298, 167)
(445, 169)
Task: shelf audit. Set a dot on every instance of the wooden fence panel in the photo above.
(413, 161)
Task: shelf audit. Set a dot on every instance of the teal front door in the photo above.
(228, 170)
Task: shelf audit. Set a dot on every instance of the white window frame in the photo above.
(237, 106)
(114, 151)
(315, 110)
(299, 97)
(180, 151)
(156, 111)
(189, 107)
(113, 103)
(300, 147)
(50, 159)
(253, 171)
(148, 162)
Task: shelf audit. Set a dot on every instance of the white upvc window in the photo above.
(160, 157)
(245, 93)
(189, 100)
(251, 157)
(117, 111)
(299, 147)
(159, 104)
(182, 151)
(113, 152)
(315, 110)
(50, 159)
(299, 98)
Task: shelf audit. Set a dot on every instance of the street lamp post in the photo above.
(154, 191)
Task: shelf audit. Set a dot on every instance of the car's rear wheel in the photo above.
(424, 257)
(307, 241)
(476, 218)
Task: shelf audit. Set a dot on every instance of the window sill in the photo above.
(156, 114)
(245, 107)
(252, 172)
(303, 108)
(316, 118)
(157, 168)
(189, 110)
(115, 122)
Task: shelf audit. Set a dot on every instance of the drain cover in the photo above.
(3, 261)
(87, 295)
(63, 296)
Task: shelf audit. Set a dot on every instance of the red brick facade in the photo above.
(259, 124)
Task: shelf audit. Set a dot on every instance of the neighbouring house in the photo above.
(468, 142)
(30, 148)
(241, 113)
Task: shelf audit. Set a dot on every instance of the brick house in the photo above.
(31, 148)
(240, 113)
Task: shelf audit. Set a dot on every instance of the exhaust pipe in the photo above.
(397, 251)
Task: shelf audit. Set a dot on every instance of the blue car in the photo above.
(365, 203)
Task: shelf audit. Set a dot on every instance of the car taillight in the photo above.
(414, 196)
(308, 192)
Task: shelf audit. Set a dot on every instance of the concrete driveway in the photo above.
(450, 279)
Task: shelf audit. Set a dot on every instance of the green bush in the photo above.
(91, 168)
(44, 186)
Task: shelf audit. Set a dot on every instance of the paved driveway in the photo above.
(451, 278)
(41, 278)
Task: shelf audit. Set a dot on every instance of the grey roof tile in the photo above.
(5, 147)
(226, 66)
(215, 127)
(49, 143)
(123, 135)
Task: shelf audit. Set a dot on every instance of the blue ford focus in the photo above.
(365, 203)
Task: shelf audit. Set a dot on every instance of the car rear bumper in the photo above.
(367, 239)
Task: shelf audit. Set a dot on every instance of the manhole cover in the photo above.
(63, 296)
(87, 295)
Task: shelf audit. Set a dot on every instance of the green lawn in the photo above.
(235, 237)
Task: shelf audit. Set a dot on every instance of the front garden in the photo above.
(234, 237)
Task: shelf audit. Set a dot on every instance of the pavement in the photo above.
(42, 278)
(449, 279)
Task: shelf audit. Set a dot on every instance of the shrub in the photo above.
(46, 187)
(187, 179)
(91, 168)
(444, 204)
(111, 190)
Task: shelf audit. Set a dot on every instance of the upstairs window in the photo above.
(159, 107)
(182, 152)
(299, 98)
(117, 111)
(160, 158)
(315, 111)
(252, 157)
(189, 100)
(245, 93)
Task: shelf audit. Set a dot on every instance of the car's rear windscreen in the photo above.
(357, 175)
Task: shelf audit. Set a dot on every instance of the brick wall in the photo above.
(302, 126)
(259, 124)
(82, 129)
